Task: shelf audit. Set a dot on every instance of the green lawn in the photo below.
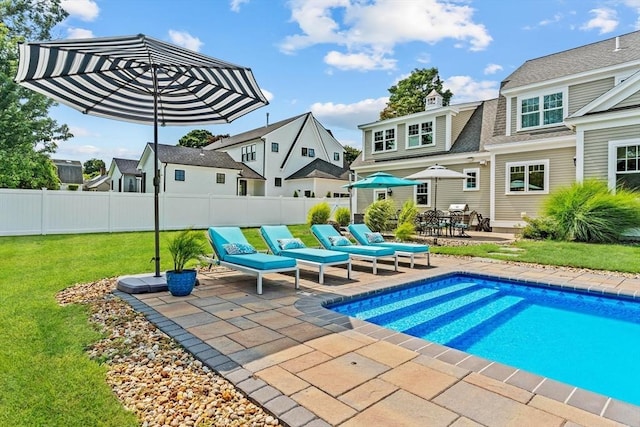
(46, 377)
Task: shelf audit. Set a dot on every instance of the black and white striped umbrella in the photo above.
(139, 79)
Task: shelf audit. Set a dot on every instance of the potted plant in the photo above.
(187, 245)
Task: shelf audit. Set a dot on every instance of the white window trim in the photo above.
(381, 191)
(415, 194)
(540, 95)
(464, 181)
(373, 140)
(526, 164)
(613, 155)
(419, 122)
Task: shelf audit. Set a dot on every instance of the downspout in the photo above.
(164, 179)
(264, 160)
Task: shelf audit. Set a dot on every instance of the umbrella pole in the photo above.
(156, 172)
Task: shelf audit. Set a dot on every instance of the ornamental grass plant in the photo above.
(590, 212)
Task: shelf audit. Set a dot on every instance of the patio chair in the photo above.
(363, 235)
(281, 242)
(330, 239)
(458, 225)
(234, 251)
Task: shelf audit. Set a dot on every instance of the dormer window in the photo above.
(420, 135)
(543, 110)
(384, 140)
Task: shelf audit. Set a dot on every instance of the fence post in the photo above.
(44, 212)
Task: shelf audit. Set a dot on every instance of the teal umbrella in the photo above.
(381, 180)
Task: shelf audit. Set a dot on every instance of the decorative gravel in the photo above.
(152, 375)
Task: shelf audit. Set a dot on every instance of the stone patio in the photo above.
(310, 366)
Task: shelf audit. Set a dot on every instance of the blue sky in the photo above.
(335, 58)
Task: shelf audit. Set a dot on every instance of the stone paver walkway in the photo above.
(310, 366)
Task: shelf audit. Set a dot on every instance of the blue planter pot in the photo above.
(181, 284)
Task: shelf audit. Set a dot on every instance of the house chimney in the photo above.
(267, 119)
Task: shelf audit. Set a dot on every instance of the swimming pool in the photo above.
(589, 341)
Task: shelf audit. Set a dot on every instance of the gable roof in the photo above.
(97, 181)
(249, 173)
(127, 166)
(320, 169)
(250, 135)
(178, 155)
(578, 60)
(69, 171)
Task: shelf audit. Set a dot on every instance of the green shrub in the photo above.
(378, 215)
(295, 194)
(72, 187)
(405, 230)
(319, 214)
(540, 229)
(408, 213)
(328, 196)
(343, 216)
(590, 212)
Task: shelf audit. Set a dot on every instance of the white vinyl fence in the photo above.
(33, 212)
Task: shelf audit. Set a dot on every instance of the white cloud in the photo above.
(605, 20)
(359, 61)
(556, 18)
(465, 89)
(492, 68)
(370, 30)
(79, 33)
(235, 4)
(86, 10)
(267, 94)
(186, 40)
(80, 132)
(348, 116)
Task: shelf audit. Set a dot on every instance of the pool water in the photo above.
(589, 341)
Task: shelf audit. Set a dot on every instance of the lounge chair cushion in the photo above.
(293, 243)
(374, 237)
(324, 232)
(405, 247)
(239, 248)
(261, 261)
(321, 256)
(339, 241)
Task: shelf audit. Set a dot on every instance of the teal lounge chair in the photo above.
(363, 235)
(234, 251)
(330, 239)
(281, 242)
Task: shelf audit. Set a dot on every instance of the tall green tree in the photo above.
(409, 95)
(350, 154)
(199, 138)
(93, 167)
(27, 134)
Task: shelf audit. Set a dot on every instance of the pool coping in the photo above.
(309, 302)
(595, 403)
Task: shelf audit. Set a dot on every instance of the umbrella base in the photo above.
(142, 283)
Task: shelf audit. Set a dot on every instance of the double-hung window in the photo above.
(626, 170)
(420, 134)
(541, 110)
(384, 140)
(528, 177)
(472, 182)
(220, 178)
(249, 153)
(422, 194)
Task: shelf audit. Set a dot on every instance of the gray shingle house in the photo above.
(558, 119)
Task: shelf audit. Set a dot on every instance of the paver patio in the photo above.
(310, 366)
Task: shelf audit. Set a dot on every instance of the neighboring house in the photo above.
(282, 153)
(69, 173)
(194, 171)
(125, 176)
(558, 119)
(98, 183)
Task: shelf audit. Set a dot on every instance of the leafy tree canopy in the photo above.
(199, 138)
(350, 153)
(93, 167)
(27, 134)
(408, 96)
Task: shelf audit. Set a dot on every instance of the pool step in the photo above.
(471, 321)
(410, 320)
(382, 305)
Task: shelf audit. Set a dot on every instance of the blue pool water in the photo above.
(592, 342)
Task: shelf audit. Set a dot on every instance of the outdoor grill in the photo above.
(459, 207)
